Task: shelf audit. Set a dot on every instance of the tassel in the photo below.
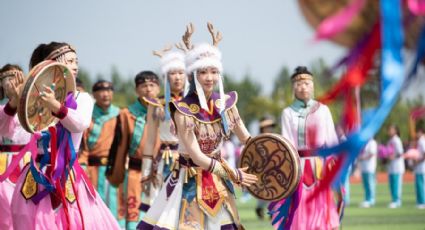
(167, 95)
(223, 105)
(201, 94)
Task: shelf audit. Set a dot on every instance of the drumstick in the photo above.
(37, 88)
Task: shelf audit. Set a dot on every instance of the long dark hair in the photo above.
(192, 86)
(43, 50)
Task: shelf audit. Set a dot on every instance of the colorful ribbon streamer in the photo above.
(392, 79)
(417, 7)
(337, 23)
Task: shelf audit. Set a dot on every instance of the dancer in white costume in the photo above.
(157, 165)
(199, 193)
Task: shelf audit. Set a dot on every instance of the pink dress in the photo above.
(83, 204)
(308, 127)
(11, 133)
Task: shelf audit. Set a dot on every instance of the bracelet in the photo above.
(239, 177)
(212, 165)
(61, 114)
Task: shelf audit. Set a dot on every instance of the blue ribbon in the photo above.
(39, 177)
(224, 122)
(420, 54)
(167, 95)
(392, 79)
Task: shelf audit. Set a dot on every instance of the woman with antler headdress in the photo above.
(199, 192)
(12, 138)
(156, 166)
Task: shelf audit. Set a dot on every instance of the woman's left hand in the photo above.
(247, 179)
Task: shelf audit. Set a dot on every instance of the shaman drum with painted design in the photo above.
(275, 162)
(32, 115)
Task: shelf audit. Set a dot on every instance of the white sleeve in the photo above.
(421, 145)
(76, 121)
(286, 127)
(373, 147)
(332, 138)
(398, 146)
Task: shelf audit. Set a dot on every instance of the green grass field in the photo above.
(378, 217)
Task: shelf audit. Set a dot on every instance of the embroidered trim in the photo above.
(185, 105)
(29, 188)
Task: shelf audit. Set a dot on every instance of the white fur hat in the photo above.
(172, 60)
(201, 56)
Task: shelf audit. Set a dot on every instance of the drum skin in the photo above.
(275, 161)
(32, 115)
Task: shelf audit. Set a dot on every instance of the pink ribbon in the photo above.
(31, 147)
(417, 7)
(338, 22)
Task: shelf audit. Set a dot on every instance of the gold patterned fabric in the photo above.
(29, 188)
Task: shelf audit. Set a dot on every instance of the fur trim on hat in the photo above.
(172, 61)
(202, 56)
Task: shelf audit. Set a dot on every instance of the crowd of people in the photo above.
(166, 162)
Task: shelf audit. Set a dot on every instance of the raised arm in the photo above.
(149, 149)
(77, 120)
(152, 133)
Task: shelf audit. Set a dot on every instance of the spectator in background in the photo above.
(420, 170)
(396, 166)
(368, 168)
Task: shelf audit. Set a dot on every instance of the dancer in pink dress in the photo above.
(12, 138)
(308, 125)
(60, 196)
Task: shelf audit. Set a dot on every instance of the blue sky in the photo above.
(259, 37)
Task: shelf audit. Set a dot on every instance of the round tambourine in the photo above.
(275, 162)
(32, 115)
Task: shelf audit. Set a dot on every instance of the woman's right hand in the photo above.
(48, 99)
(247, 179)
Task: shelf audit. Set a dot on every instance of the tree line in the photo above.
(253, 103)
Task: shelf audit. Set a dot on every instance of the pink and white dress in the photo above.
(12, 138)
(74, 204)
(309, 126)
